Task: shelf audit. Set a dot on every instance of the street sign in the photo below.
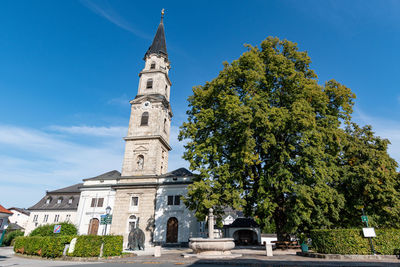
(369, 232)
(57, 229)
(105, 219)
(364, 218)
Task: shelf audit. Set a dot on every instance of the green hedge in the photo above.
(47, 230)
(89, 246)
(10, 236)
(351, 241)
(49, 246)
(53, 247)
(112, 245)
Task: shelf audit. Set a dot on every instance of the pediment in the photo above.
(141, 148)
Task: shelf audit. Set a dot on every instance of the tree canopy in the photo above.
(266, 138)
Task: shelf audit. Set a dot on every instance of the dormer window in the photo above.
(149, 84)
(48, 200)
(70, 200)
(59, 200)
(153, 66)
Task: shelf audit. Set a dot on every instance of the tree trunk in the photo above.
(280, 222)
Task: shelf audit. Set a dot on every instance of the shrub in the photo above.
(49, 246)
(53, 246)
(352, 241)
(112, 245)
(89, 246)
(10, 236)
(47, 230)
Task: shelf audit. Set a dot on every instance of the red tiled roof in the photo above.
(4, 210)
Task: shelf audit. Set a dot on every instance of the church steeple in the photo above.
(159, 45)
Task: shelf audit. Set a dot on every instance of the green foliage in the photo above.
(112, 245)
(369, 180)
(47, 230)
(53, 246)
(351, 241)
(10, 236)
(89, 246)
(49, 246)
(266, 138)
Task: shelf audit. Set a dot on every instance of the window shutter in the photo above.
(170, 200)
(177, 200)
(145, 119)
(93, 204)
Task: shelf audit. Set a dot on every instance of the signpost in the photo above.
(57, 229)
(106, 219)
(368, 231)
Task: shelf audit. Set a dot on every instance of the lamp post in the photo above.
(108, 211)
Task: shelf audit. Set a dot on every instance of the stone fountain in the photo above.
(212, 247)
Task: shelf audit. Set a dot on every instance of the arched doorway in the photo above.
(93, 226)
(245, 237)
(172, 230)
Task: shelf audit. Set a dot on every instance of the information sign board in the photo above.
(369, 232)
(364, 218)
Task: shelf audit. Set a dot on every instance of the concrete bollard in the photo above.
(157, 251)
(268, 249)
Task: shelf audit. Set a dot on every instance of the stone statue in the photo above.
(136, 238)
(140, 162)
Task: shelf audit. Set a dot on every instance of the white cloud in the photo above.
(111, 15)
(33, 161)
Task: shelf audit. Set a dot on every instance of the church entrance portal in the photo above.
(93, 227)
(172, 230)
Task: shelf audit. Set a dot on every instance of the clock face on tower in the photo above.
(146, 104)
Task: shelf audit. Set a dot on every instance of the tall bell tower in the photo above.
(147, 141)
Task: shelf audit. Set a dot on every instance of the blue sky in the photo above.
(69, 68)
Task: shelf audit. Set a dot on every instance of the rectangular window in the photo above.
(177, 200)
(46, 217)
(56, 218)
(93, 204)
(35, 218)
(100, 202)
(68, 217)
(135, 201)
(170, 200)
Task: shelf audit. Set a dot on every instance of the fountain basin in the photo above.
(212, 247)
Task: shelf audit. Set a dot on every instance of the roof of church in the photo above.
(4, 210)
(181, 172)
(111, 175)
(64, 194)
(159, 45)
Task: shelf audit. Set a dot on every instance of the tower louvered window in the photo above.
(149, 83)
(145, 119)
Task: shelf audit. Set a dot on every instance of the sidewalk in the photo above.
(251, 257)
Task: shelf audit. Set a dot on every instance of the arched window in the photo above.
(153, 65)
(132, 223)
(140, 162)
(149, 83)
(48, 200)
(165, 125)
(145, 119)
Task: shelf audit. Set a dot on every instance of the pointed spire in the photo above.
(159, 45)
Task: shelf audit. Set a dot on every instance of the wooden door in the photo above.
(172, 230)
(93, 227)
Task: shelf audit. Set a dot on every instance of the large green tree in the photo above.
(265, 137)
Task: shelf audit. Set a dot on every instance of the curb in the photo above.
(346, 256)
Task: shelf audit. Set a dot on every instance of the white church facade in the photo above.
(144, 195)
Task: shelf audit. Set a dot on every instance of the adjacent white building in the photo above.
(56, 206)
(20, 217)
(96, 195)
